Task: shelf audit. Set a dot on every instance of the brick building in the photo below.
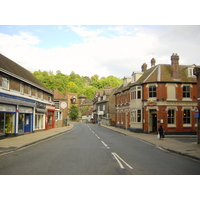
(197, 112)
(26, 105)
(165, 94)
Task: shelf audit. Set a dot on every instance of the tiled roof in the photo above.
(13, 69)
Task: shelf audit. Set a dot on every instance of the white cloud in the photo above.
(84, 32)
(117, 55)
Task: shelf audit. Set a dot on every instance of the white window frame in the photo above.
(5, 82)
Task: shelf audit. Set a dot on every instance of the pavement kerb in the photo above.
(134, 135)
(39, 139)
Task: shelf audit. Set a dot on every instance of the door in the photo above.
(154, 122)
(21, 123)
(27, 123)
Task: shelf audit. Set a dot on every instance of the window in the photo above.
(186, 116)
(186, 91)
(36, 93)
(152, 91)
(138, 115)
(49, 98)
(58, 115)
(57, 104)
(29, 90)
(22, 88)
(5, 82)
(41, 94)
(139, 94)
(104, 107)
(171, 117)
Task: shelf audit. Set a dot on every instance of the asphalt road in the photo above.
(94, 150)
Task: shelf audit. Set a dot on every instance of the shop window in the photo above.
(39, 121)
(7, 123)
(186, 116)
(152, 91)
(5, 82)
(186, 91)
(2, 122)
(171, 117)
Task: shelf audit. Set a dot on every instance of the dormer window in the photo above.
(190, 71)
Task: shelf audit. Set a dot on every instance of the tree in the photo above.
(73, 112)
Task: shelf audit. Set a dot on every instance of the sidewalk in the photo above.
(189, 149)
(14, 143)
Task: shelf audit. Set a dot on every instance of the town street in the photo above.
(92, 149)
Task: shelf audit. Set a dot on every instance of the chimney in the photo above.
(175, 66)
(153, 62)
(144, 67)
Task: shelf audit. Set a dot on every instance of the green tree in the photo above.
(73, 112)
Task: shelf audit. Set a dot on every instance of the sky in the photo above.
(105, 50)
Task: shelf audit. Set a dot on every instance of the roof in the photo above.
(163, 73)
(13, 69)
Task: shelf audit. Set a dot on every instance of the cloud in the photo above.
(118, 55)
(84, 32)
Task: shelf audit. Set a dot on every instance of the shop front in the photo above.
(7, 119)
(40, 112)
(25, 120)
(50, 120)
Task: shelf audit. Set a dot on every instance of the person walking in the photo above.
(161, 132)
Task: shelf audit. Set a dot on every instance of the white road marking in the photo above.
(118, 160)
(105, 144)
(97, 136)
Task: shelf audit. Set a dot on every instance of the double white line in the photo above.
(118, 160)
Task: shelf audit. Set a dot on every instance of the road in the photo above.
(94, 150)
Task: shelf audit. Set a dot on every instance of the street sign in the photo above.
(196, 115)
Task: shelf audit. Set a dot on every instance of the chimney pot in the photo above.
(153, 62)
(175, 66)
(144, 67)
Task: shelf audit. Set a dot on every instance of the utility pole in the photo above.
(197, 73)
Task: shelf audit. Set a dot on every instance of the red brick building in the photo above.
(165, 94)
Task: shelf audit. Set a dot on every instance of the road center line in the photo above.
(105, 144)
(97, 136)
(118, 160)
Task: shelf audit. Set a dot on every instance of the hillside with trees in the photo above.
(76, 83)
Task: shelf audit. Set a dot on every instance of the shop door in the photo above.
(27, 126)
(21, 123)
(154, 122)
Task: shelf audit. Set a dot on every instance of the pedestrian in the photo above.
(161, 132)
(99, 122)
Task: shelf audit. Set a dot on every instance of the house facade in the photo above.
(165, 94)
(26, 105)
(104, 106)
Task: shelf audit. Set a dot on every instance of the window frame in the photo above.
(5, 82)
(152, 91)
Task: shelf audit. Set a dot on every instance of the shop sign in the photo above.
(151, 103)
(25, 110)
(40, 105)
(7, 108)
(100, 113)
